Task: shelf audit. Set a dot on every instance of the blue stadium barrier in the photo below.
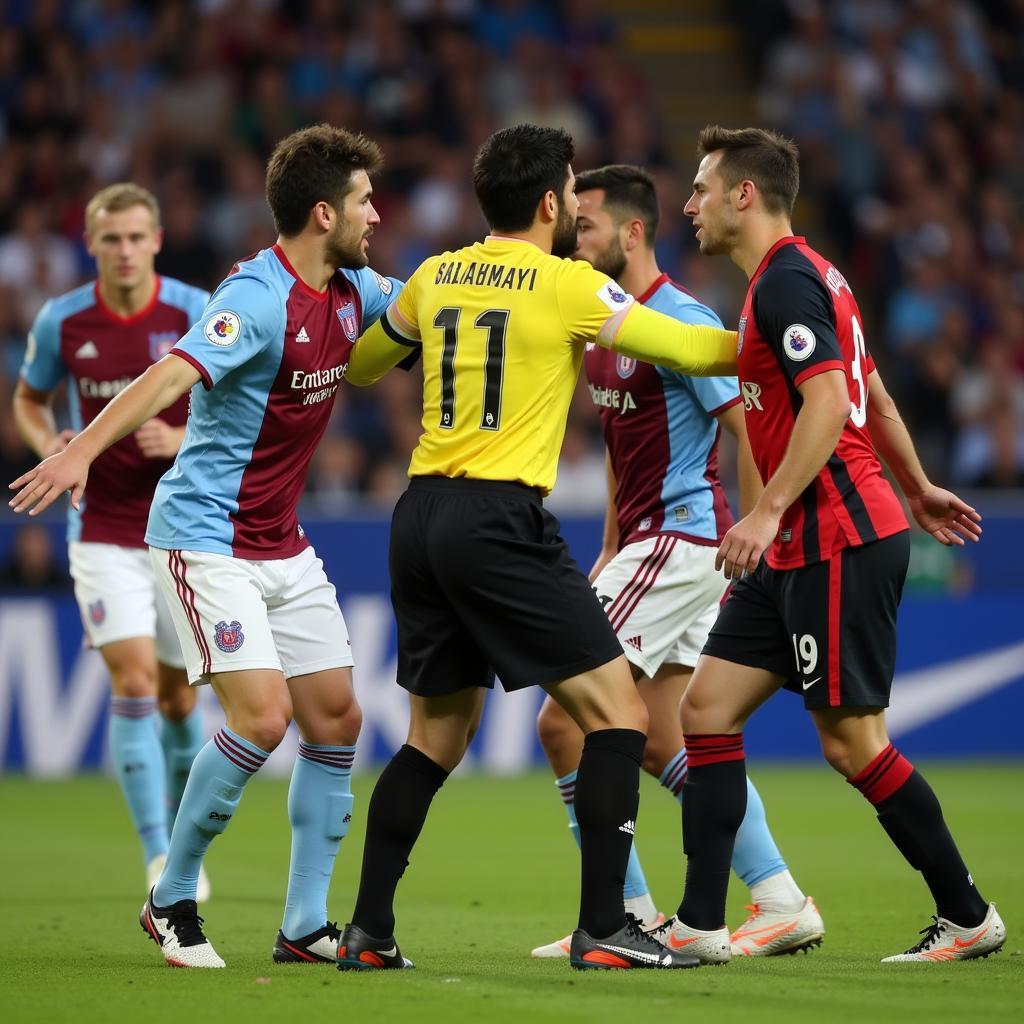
(959, 689)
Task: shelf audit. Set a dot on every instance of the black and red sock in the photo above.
(910, 813)
(714, 802)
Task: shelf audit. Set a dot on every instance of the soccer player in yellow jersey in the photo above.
(481, 580)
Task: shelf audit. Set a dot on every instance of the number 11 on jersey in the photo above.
(495, 323)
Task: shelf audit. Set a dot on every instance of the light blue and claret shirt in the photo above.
(78, 336)
(271, 352)
(661, 433)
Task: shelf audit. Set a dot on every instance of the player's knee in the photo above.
(132, 681)
(177, 704)
(553, 727)
(656, 755)
(838, 754)
(265, 729)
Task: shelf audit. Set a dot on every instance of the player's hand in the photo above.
(948, 519)
(59, 443)
(39, 488)
(602, 560)
(742, 547)
(159, 440)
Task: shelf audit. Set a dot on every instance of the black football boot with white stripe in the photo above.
(319, 947)
(628, 948)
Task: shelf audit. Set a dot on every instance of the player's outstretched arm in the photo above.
(695, 349)
(937, 511)
(374, 354)
(163, 383)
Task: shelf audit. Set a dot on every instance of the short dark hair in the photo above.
(628, 190)
(515, 168)
(768, 159)
(315, 165)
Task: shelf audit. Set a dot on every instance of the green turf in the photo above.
(495, 874)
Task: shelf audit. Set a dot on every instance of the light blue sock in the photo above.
(139, 765)
(219, 773)
(320, 809)
(755, 855)
(181, 742)
(636, 882)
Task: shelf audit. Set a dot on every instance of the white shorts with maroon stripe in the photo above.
(661, 595)
(118, 598)
(233, 614)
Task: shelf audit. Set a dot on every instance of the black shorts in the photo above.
(829, 628)
(481, 583)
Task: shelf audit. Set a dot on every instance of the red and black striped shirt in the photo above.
(800, 319)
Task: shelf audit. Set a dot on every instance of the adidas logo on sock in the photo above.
(635, 641)
(629, 827)
(302, 336)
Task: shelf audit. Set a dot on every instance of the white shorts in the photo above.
(118, 598)
(233, 614)
(662, 595)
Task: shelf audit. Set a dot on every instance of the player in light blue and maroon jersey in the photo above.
(99, 338)
(656, 575)
(255, 613)
(816, 614)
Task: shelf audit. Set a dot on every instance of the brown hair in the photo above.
(121, 196)
(768, 159)
(315, 165)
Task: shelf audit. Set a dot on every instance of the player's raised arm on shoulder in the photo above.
(392, 341)
(937, 511)
(695, 349)
(376, 352)
(161, 385)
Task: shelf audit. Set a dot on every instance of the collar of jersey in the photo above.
(132, 318)
(506, 238)
(788, 240)
(308, 289)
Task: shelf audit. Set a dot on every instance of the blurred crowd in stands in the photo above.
(909, 115)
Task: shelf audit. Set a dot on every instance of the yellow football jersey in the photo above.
(501, 324)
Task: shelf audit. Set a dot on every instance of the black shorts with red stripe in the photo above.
(829, 629)
(481, 582)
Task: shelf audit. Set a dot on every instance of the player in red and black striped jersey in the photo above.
(818, 613)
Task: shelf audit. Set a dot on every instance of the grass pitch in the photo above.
(495, 873)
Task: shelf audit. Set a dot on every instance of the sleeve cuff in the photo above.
(822, 367)
(203, 373)
(725, 405)
(392, 332)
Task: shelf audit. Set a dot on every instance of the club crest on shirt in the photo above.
(625, 366)
(160, 343)
(97, 612)
(798, 341)
(223, 328)
(740, 331)
(229, 637)
(349, 321)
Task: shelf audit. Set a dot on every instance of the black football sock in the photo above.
(394, 819)
(607, 798)
(910, 813)
(714, 802)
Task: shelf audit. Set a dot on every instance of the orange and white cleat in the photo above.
(708, 947)
(945, 941)
(774, 932)
(560, 950)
